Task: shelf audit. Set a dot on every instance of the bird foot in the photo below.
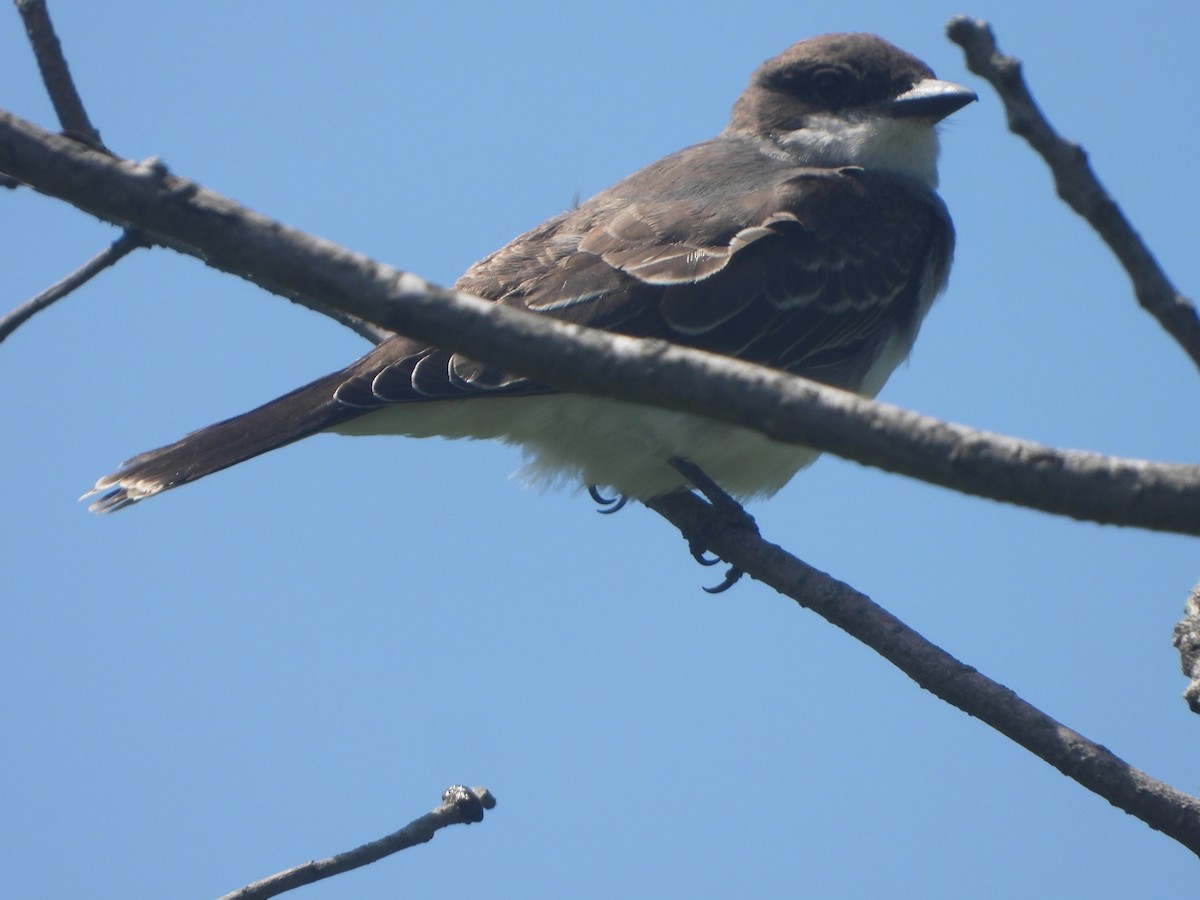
(730, 515)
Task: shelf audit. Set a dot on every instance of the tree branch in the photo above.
(1159, 805)
(56, 75)
(73, 118)
(1077, 184)
(129, 241)
(1157, 496)
(459, 806)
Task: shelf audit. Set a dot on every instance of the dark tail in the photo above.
(291, 417)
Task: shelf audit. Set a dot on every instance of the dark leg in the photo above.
(730, 512)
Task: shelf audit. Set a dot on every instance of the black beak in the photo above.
(931, 99)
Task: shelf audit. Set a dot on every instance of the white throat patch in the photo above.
(908, 146)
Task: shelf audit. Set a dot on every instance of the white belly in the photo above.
(578, 440)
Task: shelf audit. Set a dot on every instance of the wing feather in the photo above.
(808, 270)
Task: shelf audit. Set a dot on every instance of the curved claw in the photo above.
(729, 514)
(613, 503)
(617, 505)
(699, 551)
(732, 577)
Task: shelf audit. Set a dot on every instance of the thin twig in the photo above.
(1159, 805)
(75, 124)
(1077, 184)
(121, 247)
(230, 237)
(56, 75)
(460, 806)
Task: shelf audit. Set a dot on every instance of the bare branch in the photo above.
(1157, 496)
(55, 73)
(118, 249)
(1159, 805)
(1077, 184)
(73, 119)
(460, 806)
(75, 124)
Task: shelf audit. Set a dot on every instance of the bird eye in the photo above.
(831, 87)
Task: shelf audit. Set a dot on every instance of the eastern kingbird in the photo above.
(806, 236)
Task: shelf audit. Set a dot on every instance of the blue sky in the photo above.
(299, 654)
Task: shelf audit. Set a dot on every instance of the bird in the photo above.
(807, 236)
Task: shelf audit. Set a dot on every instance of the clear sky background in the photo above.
(299, 654)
